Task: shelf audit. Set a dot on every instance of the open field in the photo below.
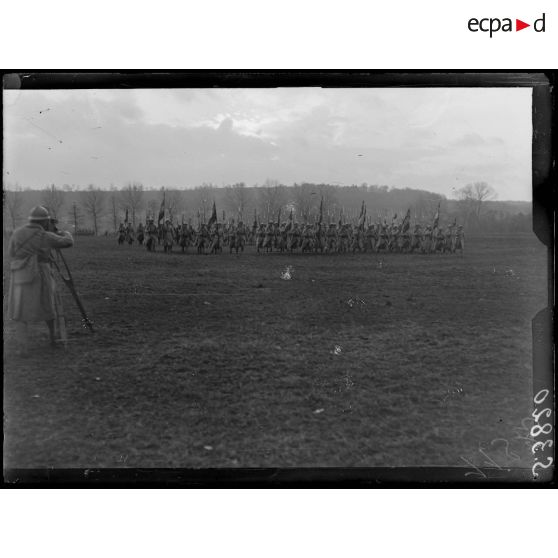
(216, 361)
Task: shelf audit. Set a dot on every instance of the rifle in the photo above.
(70, 284)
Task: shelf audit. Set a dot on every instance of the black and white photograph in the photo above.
(303, 273)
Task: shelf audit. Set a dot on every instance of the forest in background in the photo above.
(93, 210)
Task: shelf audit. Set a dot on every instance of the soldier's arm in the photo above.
(58, 240)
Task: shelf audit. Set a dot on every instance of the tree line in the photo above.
(94, 210)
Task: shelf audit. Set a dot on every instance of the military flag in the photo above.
(255, 219)
(213, 218)
(126, 218)
(290, 223)
(406, 221)
(362, 216)
(321, 211)
(162, 209)
(279, 217)
(436, 217)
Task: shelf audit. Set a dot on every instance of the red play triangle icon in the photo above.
(519, 25)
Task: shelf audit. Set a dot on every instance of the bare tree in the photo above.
(425, 207)
(466, 203)
(271, 197)
(472, 198)
(13, 200)
(306, 200)
(94, 205)
(113, 205)
(75, 215)
(237, 198)
(53, 200)
(203, 200)
(481, 193)
(132, 198)
(327, 193)
(174, 202)
(153, 208)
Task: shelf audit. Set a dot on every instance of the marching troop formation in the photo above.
(214, 237)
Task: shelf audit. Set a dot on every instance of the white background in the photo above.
(288, 34)
(273, 34)
(276, 523)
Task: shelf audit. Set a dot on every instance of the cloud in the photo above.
(226, 125)
(422, 138)
(469, 140)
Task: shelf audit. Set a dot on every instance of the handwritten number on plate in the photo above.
(542, 445)
(538, 399)
(542, 465)
(547, 411)
(537, 429)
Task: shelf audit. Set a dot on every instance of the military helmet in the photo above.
(39, 213)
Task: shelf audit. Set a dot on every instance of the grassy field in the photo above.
(216, 361)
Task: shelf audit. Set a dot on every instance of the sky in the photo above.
(433, 139)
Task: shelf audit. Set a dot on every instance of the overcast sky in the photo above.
(433, 139)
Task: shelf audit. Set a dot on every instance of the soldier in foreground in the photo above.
(268, 238)
(168, 236)
(260, 237)
(129, 229)
(416, 239)
(331, 239)
(151, 233)
(32, 295)
(369, 239)
(140, 234)
(202, 241)
(121, 233)
(216, 239)
(240, 237)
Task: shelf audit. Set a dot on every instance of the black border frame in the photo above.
(544, 180)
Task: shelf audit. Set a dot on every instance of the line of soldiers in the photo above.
(292, 237)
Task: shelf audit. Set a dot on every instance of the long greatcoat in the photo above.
(32, 295)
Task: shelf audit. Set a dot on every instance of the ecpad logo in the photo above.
(493, 25)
